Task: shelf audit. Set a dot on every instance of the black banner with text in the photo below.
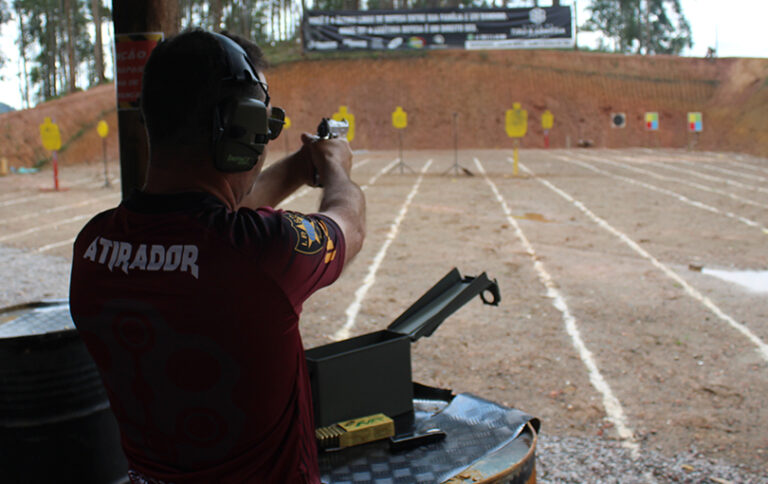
(460, 28)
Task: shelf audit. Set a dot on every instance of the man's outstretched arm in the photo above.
(342, 200)
(280, 179)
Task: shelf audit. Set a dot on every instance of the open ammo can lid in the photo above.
(445, 298)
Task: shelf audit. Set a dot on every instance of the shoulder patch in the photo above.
(310, 237)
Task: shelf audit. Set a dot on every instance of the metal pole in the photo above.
(56, 170)
(135, 16)
(402, 162)
(516, 157)
(106, 175)
(456, 141)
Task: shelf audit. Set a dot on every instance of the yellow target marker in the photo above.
(517, 126)
(344, 115)
(50, 136)
(103, 129)
(547, 120)
(399, 118)
(517, 121)
(287, 122)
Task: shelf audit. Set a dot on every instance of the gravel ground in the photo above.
(30, 277)
(586, 461)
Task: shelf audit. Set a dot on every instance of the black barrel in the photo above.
(55, 422)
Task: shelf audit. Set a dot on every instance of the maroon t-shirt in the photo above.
(191, 312)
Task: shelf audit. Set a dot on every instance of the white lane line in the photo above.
(613, 408)
(57, 209)
(354, 308)
(56, 244)
(15, 201)
(720, 169)
(682, 181)
(749, 166)
(690, 290)
(682, 198)
(46, 226)
(381, 172)
(730, 158)
(306, 190)
(667, 165)
(296, 195)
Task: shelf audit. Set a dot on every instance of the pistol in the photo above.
(328, 129)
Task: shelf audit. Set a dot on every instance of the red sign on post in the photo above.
(131, 53)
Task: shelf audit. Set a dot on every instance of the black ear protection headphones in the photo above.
(242, 126)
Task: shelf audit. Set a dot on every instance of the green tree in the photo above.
(58, 31)
(640, 26)
(5, 15)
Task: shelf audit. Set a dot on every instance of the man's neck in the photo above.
(172, 175)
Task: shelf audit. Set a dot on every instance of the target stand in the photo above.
(456, 168)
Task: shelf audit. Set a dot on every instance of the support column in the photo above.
(136, 16)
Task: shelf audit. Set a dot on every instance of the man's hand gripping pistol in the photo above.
(328, 129)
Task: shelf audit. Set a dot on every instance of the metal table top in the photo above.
(475, 428)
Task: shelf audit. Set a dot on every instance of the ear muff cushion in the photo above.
(243, 134)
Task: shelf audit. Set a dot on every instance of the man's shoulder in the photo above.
(99, 220)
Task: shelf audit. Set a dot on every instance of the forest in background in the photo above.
(65, 46)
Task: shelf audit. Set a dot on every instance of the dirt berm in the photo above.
(580, 89)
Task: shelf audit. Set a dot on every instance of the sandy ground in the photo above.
(611, 325)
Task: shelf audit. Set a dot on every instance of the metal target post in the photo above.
(106, 175)
(400, 121)
(456, 167)
(51, 138)
(103, 129)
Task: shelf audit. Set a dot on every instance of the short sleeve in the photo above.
(305, 254)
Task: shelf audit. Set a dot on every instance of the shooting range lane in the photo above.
(670, 165)
(684, 374)
(677, 180)
(726, 171)
(743, 221)
(612, 406)
(664, 191)
(487, 351)
(694, 175)
(720, 162)
(746, 162)
(13, 198)
(370, 278)
(50, 220)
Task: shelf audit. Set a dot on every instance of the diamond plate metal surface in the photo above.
(35, 320)
(474, 428)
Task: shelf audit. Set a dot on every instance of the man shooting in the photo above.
(188, 294)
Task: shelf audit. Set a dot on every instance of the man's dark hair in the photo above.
(182, 86)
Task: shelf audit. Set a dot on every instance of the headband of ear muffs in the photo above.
(240, 124)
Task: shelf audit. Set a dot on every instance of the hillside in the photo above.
(76, 115)
(580, 89)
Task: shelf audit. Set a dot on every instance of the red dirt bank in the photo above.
(580, 89)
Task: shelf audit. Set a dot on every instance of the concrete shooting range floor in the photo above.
(616, 321)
